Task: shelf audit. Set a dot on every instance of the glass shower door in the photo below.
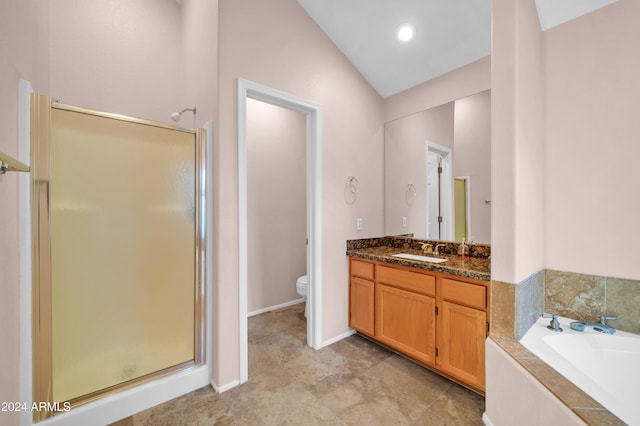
(124, 269)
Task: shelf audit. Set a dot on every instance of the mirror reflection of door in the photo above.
(460, 209)
(439, 193)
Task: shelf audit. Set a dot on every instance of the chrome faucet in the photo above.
(554, 324)
(601, 326)
(436, 252)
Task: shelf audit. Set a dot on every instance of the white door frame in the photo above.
(446, 190)
(313, 111)
(467, 196)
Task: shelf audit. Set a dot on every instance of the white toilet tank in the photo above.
(302, 285)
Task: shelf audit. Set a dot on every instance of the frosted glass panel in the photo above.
(123, 255)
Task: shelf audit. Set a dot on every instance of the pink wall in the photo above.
(200, 59)
(276, 198)
(24, 32)
(123, 57)
(592, 197)
(277, 44)
(517, 142)
(462, 82)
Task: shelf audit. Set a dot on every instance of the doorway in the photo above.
(439, 192)
(276, 206)
(313, 112)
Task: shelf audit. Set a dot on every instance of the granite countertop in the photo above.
(470, 267)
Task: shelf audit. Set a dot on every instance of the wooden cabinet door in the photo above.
(462, 333)
(406, 321)
(361, 309)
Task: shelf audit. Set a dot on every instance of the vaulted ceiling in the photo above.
(448, 34)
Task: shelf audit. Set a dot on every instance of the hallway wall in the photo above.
(276, 204)
(277, 44)
(24, 33)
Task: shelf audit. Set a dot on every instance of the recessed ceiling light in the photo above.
(406, 32)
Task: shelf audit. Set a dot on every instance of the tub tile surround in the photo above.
(587, 297)
(382, 249)
(515, 307)
(585, 407)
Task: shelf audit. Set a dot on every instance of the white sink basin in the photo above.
(418, 257)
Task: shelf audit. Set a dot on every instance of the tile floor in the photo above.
(352, 382)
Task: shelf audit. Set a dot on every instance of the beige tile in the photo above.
(320, 371)
(266, 399)
(313, 415)
(503, 314)
(456, 406)
(260, 361)
(513, 347)
(188, 409)
(623, 301)
(350, 394)
(376, 411)
(352, 382)
(574, 295)
(361, 354)
(124, 422)
(599, 417)
(412, 387)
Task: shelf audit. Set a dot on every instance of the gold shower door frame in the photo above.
(42, 109)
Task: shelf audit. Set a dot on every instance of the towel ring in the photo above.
(352, 185)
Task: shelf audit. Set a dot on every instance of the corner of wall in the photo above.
(515, 307)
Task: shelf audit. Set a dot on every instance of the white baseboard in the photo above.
(338, 338)
(220, 389)
(276, 307)
(486, 420)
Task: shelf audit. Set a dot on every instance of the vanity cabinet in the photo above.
(361, 296)
(436, 319)
(402, 298)
(395, 309)
(462, 329)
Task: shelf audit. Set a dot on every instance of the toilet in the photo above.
(301, 286)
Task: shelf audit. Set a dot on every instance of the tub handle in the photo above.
(603, 320)
(554, 324)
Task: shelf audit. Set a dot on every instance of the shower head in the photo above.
(177, 115)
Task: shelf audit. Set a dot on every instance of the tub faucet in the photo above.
(601, 326)
(554, 324)
(603, 320)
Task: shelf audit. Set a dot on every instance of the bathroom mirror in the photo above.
(438, 172)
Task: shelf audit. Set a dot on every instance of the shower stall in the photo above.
(118, 251)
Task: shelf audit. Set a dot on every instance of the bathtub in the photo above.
(606, 367)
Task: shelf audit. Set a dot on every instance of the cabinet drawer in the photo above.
(362, 269)
(465, 293)
(413, 281)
